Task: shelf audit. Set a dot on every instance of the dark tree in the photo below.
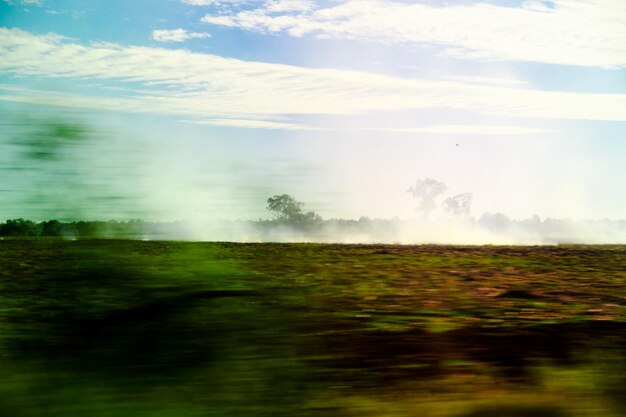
(51, 228)
(288, 210)
(284, 207)
(19, 227)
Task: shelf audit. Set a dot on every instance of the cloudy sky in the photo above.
(205, 108)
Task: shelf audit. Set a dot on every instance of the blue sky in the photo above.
(210, 107)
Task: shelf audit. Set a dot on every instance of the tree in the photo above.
(19, 227)
(497, 222)
(425, 192)
(287, 209)
(51, 228)
(460, 205)
(284, 207)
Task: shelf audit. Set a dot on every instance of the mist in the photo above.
(67, 170)
(489, 229)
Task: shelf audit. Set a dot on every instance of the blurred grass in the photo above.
(114, 327)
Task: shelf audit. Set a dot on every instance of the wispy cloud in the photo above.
(486, 80)
(481, 130)
(214, 2)
(180, 82)
(37, 3)
(176, 35)
(568, 32)
(253, 124)
(201, 2)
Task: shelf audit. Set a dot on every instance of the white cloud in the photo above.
(213, 2)
(469, 130)
(200, 2)
(176, 35)
(203, 86)
(537, 6)
(278, 6)
(37, 3)
(486, 80)
(253, 124)
(568, 32)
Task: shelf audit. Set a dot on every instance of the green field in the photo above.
(132, 328)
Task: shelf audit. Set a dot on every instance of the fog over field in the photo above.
(199, 111)
(69, 171)
(312, 208)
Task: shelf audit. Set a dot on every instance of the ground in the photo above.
(114, 327)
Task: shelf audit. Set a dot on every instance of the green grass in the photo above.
(113, 327)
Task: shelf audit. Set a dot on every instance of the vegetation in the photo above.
(287, 210)
(50, 228)
(426, 191)
(118, 327)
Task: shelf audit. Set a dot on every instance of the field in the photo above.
(131, 328)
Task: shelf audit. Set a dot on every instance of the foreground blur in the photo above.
(116, 328)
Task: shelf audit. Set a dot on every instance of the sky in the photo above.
(203, 109)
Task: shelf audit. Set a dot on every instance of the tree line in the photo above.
(56, 228)
(285, 211)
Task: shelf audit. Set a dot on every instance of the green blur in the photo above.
(118, 327)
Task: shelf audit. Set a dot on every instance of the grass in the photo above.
(113, 327)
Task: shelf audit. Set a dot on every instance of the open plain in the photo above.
(121, 328)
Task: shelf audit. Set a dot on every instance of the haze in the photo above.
(200, 110)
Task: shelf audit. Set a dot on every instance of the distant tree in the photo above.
(87, 229)
(459, 205)
(426, 191)
(287, 209)
(19, 227)
(310, 218)
(51, 228)
(497, 222)
(284, 207)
